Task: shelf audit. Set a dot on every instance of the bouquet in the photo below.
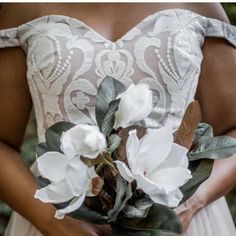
(121, 173)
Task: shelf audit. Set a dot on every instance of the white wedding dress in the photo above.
(67, 60)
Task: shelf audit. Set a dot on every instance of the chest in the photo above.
(67, 60)
(111, 20)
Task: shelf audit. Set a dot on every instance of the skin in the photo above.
(215, 93)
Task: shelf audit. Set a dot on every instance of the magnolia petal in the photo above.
(171, 199)
(132, 148)
(67, 146)
(123, 115)
(52, 166)
(176, 158)
(170, 178)
(132, 99)
(92, 173)
(83, 139)
(143, 100)
(124, 171)
(155, 147)
(54, 193)
(95, 144)
(145, 184)
(77, 176)
(74, 205)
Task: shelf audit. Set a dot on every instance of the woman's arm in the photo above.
(216, 93)
(17, 184)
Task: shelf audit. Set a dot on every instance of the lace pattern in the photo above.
(67, 60)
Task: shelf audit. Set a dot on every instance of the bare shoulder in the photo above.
(217, 79)
(13, 82)
(15, 14)
(213, 10)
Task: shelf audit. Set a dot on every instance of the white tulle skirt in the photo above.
(213, 220)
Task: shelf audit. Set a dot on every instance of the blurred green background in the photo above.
(28, 150)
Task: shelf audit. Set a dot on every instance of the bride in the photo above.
(51, 40)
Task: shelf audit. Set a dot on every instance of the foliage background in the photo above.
(28, 150)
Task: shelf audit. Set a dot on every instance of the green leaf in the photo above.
(54, 132)
(138, 209)
(109, 118)
(159, 218)
(108, 90)
(123, 194)
(201, 170)
(42, 182)
(41, 149)
(113, 142)
(218, 147)
(203, 129)
(207, 149)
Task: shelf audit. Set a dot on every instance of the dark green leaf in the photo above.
(123, 194)
(159, 217)
(42, 182)
(41, 149)
(201, 170)
(108, 90)
(113, 142)
(138, 209)
(54, 132)
(109, 118)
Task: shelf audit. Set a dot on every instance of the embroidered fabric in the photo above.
(67, 60)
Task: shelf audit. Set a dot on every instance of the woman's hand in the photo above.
(73, 227)
(185, 215)
(188, 210)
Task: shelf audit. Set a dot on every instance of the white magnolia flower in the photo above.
(83, 139)
(69, 177)
(135, 105)
(158, 165)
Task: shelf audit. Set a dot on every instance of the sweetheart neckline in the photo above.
(138, 24)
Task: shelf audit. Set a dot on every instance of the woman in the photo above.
(163, 49)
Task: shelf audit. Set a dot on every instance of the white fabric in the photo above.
(67, 59)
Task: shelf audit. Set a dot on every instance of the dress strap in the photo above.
(221, 29)
(9, 38)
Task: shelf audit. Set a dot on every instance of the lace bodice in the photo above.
(67, 60)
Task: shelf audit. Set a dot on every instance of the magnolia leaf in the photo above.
(118, 231)
(203, 129)
(113, 143)
(123, 194)
(138, 209)
(201, 170)
(109, 118)
(41, 149)
(218, 147)
(42, 182)
(124, 134)
(108, 90)
(191, 119)
(54, 132)
(159, 218)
